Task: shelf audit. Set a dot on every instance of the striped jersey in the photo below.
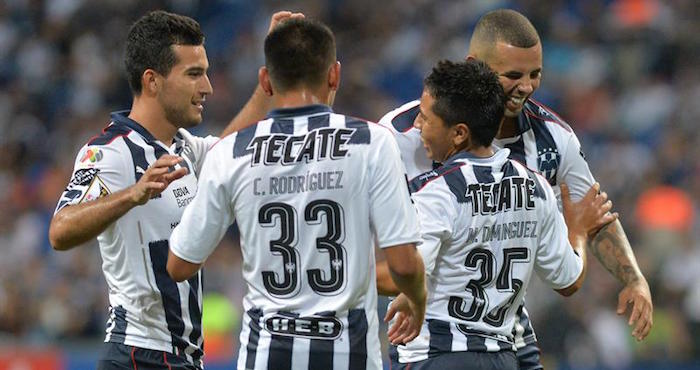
(310, 191)
(147, 308)
(544, 142)
(486, 225)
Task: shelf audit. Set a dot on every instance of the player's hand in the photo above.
(282, 16)
(156, 178)
(408, 317)
(638, 295)
(589, 214)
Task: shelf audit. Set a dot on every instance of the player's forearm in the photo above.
(578, 244)
(385, 283)
(253, 111)
(74, 225)
(611, 247)
(411, 281)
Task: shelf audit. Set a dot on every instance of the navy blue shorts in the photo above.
(529, 357)
(503, 360)
(117, 356)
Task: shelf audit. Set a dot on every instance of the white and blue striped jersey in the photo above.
(486, 225)
(147, 308)
(310, 191)
(544, 142)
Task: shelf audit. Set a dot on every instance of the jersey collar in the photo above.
(122, 117)
(497, 156)
(523, 120)
(299, 111)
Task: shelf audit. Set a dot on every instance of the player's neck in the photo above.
(152, 117)
(508, 128)
(299, 98)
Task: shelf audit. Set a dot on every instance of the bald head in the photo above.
(502, 25)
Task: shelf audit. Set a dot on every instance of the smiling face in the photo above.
(519, 72)
(185, 88)
(437, 137)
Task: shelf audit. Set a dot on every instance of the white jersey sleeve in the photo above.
(197, 148)
(207, 218)
(98, 171)
(555, 261)
(574, 170)
(392, 215)
(436, 214)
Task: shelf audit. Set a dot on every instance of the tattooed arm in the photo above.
(611, 247)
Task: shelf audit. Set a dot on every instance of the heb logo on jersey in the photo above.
(317, 145)
(314, 327)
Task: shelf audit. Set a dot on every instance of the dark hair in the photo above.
(468, 92)
(508, 26)
(149, 42)
(299, 52)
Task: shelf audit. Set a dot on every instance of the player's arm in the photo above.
(74, 225)
(179, 269)
(611, 247)
(260, 102)
(592, 211)
(205, 220)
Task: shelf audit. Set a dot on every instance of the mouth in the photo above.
(515, 102)
(199, 104)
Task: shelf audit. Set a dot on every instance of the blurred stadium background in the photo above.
(624, 73)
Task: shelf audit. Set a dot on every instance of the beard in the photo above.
(180, 115)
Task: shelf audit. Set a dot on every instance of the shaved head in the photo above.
(502, 25)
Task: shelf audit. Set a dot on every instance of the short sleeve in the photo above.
(556, 263)
(196, 148)
(98, 171)
(392, 214)
(574, 170)
(208, 216)
(435, 214)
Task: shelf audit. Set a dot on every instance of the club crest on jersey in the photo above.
(314, 327)
(317, 145)
(548, 163)
(91, 155)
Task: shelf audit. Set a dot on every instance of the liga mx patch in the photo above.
(91, 155)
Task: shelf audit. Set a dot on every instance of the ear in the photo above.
(150, 82)
(461, 136)
(264, 81)
(470, 57)
(334, 76)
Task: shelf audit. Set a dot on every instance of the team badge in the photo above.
(548, 163)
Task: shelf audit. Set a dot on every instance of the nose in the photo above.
(418, 123)
(207, 89)
(526, 86)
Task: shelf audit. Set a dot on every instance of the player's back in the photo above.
(305, 191)
(487, 223)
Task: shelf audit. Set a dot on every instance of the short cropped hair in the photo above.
(148, 45)
(507, 26)
(468, 92)
(298, 52)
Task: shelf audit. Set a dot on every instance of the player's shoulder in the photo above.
(401, 119)
(448, 175)
(547, 117)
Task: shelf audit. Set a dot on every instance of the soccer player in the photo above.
(310, 190)
(487, 223)
(540, 139)
(129, 189)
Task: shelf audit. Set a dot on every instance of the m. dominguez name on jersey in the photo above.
(511, 194)
(321, 144)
